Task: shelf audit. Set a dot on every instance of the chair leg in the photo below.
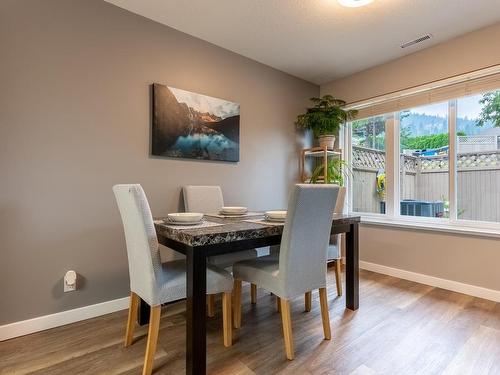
(338, 276)
(325, 315)
(253, 293)
(278, 304)
(287, 328)
(237, 304)
(307, 301)
(132, 317)
(154, 328)
(227, 324)
(211, 305)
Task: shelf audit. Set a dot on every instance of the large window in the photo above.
(431, 177)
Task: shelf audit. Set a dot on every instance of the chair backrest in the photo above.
(302, 262)
(339, 205)
(335, 240)
(142, 244)
(203, 199)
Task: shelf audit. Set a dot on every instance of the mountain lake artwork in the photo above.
(194, 126)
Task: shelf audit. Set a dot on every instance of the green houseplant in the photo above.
(325, 118)
(336, 172)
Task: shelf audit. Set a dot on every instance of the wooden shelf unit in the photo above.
(317, 152)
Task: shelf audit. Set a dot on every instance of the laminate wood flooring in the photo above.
(401, 327)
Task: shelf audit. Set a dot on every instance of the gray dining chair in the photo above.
(209, 200)
(155, 282)
(333, 253)
(301, 266)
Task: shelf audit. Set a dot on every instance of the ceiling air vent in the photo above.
(416, 41)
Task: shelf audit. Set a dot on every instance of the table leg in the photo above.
(196, 340)
(352, 267)
(143, 313)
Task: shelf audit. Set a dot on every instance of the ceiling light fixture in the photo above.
(354, 3)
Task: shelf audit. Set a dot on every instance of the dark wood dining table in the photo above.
(235, 234)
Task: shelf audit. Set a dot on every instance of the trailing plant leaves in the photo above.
(337, 171)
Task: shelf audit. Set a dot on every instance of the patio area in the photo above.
(425, 179)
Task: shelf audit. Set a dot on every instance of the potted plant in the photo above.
(325, 119)
(336, 172)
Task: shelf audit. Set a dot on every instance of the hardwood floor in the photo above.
(401, 328)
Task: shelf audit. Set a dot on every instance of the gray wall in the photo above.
(457, 56)
(74, 120)
(459, 257)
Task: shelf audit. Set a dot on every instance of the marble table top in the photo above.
(234, 229)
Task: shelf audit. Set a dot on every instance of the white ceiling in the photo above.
(318, 40)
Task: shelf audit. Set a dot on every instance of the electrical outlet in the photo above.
(70, 281)
(69, 288)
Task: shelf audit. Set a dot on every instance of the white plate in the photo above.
(232, 215)
(185, 217)
(276, 215)
(234, 210)
(171, 222)
(275, 220)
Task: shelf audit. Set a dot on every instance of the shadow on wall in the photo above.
(166, 253)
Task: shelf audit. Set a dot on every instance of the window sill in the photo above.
(488, 230)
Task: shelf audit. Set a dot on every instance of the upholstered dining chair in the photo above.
(301, 266)
(333, 252)
(209, 200)
(154, 282)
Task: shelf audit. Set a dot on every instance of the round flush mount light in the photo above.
(354, 3)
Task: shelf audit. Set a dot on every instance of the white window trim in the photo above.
(392, 217)
(465, 227)
(452, 160)
(392, 165)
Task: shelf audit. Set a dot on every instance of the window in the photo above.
(423, 161)
(406, 167)
(478, 157)
(368, 164)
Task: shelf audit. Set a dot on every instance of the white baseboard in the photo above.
(42, 323)
(455, 286)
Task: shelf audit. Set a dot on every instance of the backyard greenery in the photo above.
(372, 135)
(370, 132)
(425, 142)
(491, 109)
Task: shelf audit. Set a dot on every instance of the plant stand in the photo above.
(320, 155)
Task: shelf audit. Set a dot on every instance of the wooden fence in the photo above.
(426, 178)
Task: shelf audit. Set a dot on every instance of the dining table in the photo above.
(222, 235)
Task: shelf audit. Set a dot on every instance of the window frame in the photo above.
(345, 136)
(393, 216)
